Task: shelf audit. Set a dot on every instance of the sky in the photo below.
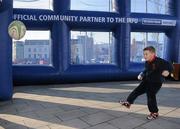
(98, 5)
(37, 35)
(154, 6)
(37, 4)
(140, 36)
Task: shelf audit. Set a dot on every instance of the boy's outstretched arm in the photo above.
(141, 75)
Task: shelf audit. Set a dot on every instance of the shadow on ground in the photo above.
(87, 106)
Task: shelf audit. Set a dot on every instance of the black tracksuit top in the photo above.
(153, 70)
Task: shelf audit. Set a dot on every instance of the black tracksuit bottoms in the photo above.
(151, 89)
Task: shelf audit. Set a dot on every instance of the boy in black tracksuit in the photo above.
(152, 78)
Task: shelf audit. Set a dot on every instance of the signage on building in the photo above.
(94, 19)
(148, 21)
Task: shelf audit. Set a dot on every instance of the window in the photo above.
(45, 56)
(139, 40)
(29, 49)
(40, 49)
(94, 5)
(26, 50)
(33, 4)
(150, 6)
(34, 49)
(92, 47)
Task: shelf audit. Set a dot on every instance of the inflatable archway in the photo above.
(121, 23)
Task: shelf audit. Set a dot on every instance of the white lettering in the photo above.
(169, 22)
(120, 20)
(92, 19)
(25, 17)
(110, 19)
(132, 20)
(58, 18)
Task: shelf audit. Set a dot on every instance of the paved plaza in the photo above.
(88, 106)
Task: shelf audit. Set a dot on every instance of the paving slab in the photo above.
(97, 118)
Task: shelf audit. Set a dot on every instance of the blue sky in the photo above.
(38, 4)
(98, 5)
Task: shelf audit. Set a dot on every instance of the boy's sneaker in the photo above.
(153, 116)
(125, 103)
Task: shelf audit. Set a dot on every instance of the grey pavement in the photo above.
(88, 106)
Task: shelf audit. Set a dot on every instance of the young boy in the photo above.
(152, 78)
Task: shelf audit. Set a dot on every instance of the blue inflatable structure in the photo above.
(61, 70)
(6, 85)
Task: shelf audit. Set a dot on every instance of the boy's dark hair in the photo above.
(150, 48)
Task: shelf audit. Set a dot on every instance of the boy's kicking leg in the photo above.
(141, 89)
(152, 90)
